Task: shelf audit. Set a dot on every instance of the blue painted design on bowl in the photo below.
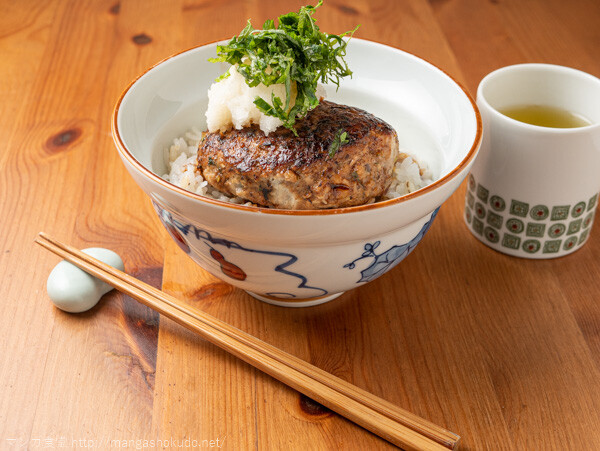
(386, 260)
(180, 232)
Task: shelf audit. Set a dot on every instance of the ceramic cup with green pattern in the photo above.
(533, 189)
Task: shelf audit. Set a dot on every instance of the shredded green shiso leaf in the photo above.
(341, 138)
(293, 51)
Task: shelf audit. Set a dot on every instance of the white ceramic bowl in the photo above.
(301, 258)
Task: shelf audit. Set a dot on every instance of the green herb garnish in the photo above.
(294, 51)
(340, 138)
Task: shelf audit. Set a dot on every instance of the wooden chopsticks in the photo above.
(388, 421)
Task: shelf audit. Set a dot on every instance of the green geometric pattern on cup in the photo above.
(535, 229)
(531, 246)
(583, 237)
(491, 234)
(479, 210)
(468, 215)
(495, 220)
(570, 243)
(497, 203)
(559, 213)
(551, 246)
(539, 212)
(482, 193)
(578, 209)
(574, 227)
(511, 241)
(472, 183)
(592, 202)
(556, 230)
(515, 225)
(478, 226)
(486, 213)
(470, 199)
(518, 208)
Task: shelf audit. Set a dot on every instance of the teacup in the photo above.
(533, 190)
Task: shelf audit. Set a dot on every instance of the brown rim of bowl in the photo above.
(136, 164)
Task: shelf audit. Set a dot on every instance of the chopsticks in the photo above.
(388, 421)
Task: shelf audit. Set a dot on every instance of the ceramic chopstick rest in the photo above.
(73, 290)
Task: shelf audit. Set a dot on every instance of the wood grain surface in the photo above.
(503, 351)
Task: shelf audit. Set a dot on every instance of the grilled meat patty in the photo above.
(296, 172)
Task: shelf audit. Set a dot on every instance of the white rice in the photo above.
(181, 161)
(409, 175)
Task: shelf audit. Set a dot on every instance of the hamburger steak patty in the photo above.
(296, 172)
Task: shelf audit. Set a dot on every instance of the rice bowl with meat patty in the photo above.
(299, 257)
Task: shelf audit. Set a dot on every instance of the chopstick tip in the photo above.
(39, 239)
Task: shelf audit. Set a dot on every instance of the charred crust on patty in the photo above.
(297, 172)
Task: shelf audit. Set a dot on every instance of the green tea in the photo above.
(545, 116)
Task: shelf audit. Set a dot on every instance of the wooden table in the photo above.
(503, 351)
